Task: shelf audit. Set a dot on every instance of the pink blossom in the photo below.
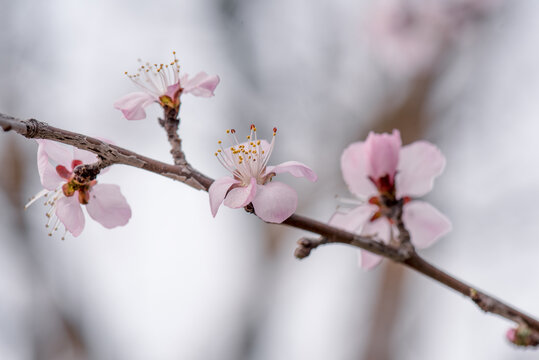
(251, 179)
(383, 174)
(408, 37)
(163, 84)
(65, 195)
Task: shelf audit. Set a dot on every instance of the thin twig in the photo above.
(111, 154)
(171, 123)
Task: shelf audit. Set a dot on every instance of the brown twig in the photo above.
(111, 154)
(107, 153)
(171, 123)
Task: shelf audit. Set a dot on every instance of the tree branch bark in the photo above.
(406, 255)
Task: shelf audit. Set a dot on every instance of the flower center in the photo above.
(72, 185)
(387, 206)
(157, 78)
(248, 159)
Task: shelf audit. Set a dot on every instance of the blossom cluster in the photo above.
(385, 176)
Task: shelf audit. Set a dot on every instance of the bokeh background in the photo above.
(176, 283)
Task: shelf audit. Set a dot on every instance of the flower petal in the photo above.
(275, 202)
(425, 223)
(172, 90)
(295, 168)
(420, 162)
(217, 192)
(47, 172)
(132, 105)
(241, 196)
(382, 229)
(58, 153)
(69, 212)
(85, 156)
(382, 153)
(368, 260)
(354, 171)
(201, 84)
(353, 220)
(108, 206)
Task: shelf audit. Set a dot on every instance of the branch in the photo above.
(107, 153)
(406, 255)
(170, 123)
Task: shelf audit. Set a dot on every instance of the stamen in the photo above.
(246, 160)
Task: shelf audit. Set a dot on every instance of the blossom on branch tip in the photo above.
(65, 193)
(162, 83)
(385, 175)
(251, 179)
(522, 335)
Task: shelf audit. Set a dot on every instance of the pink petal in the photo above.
(420, 162)
(368, 260)
(382, 229)
(275, 202)
(241, 196)
(354, 171)
(58, 153)
(425, 223)
(354, 220)
(217, 192)
(47, 173)
(295, 168)
(172, 90)
(108, 206)
(201, 85)
(85, 156)
(132, 105)
(69, 212)
(382, 154)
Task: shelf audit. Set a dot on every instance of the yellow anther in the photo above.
(216, 154)
(258, 142)
(218, 151)
(228, 131)
(219, 141)
(248, 137)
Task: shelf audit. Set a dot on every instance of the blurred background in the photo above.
(176, 283)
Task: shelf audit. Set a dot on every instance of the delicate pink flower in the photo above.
(65, 195)
(409, 37)
(163, 84)
(272, 201)
(381, 174)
